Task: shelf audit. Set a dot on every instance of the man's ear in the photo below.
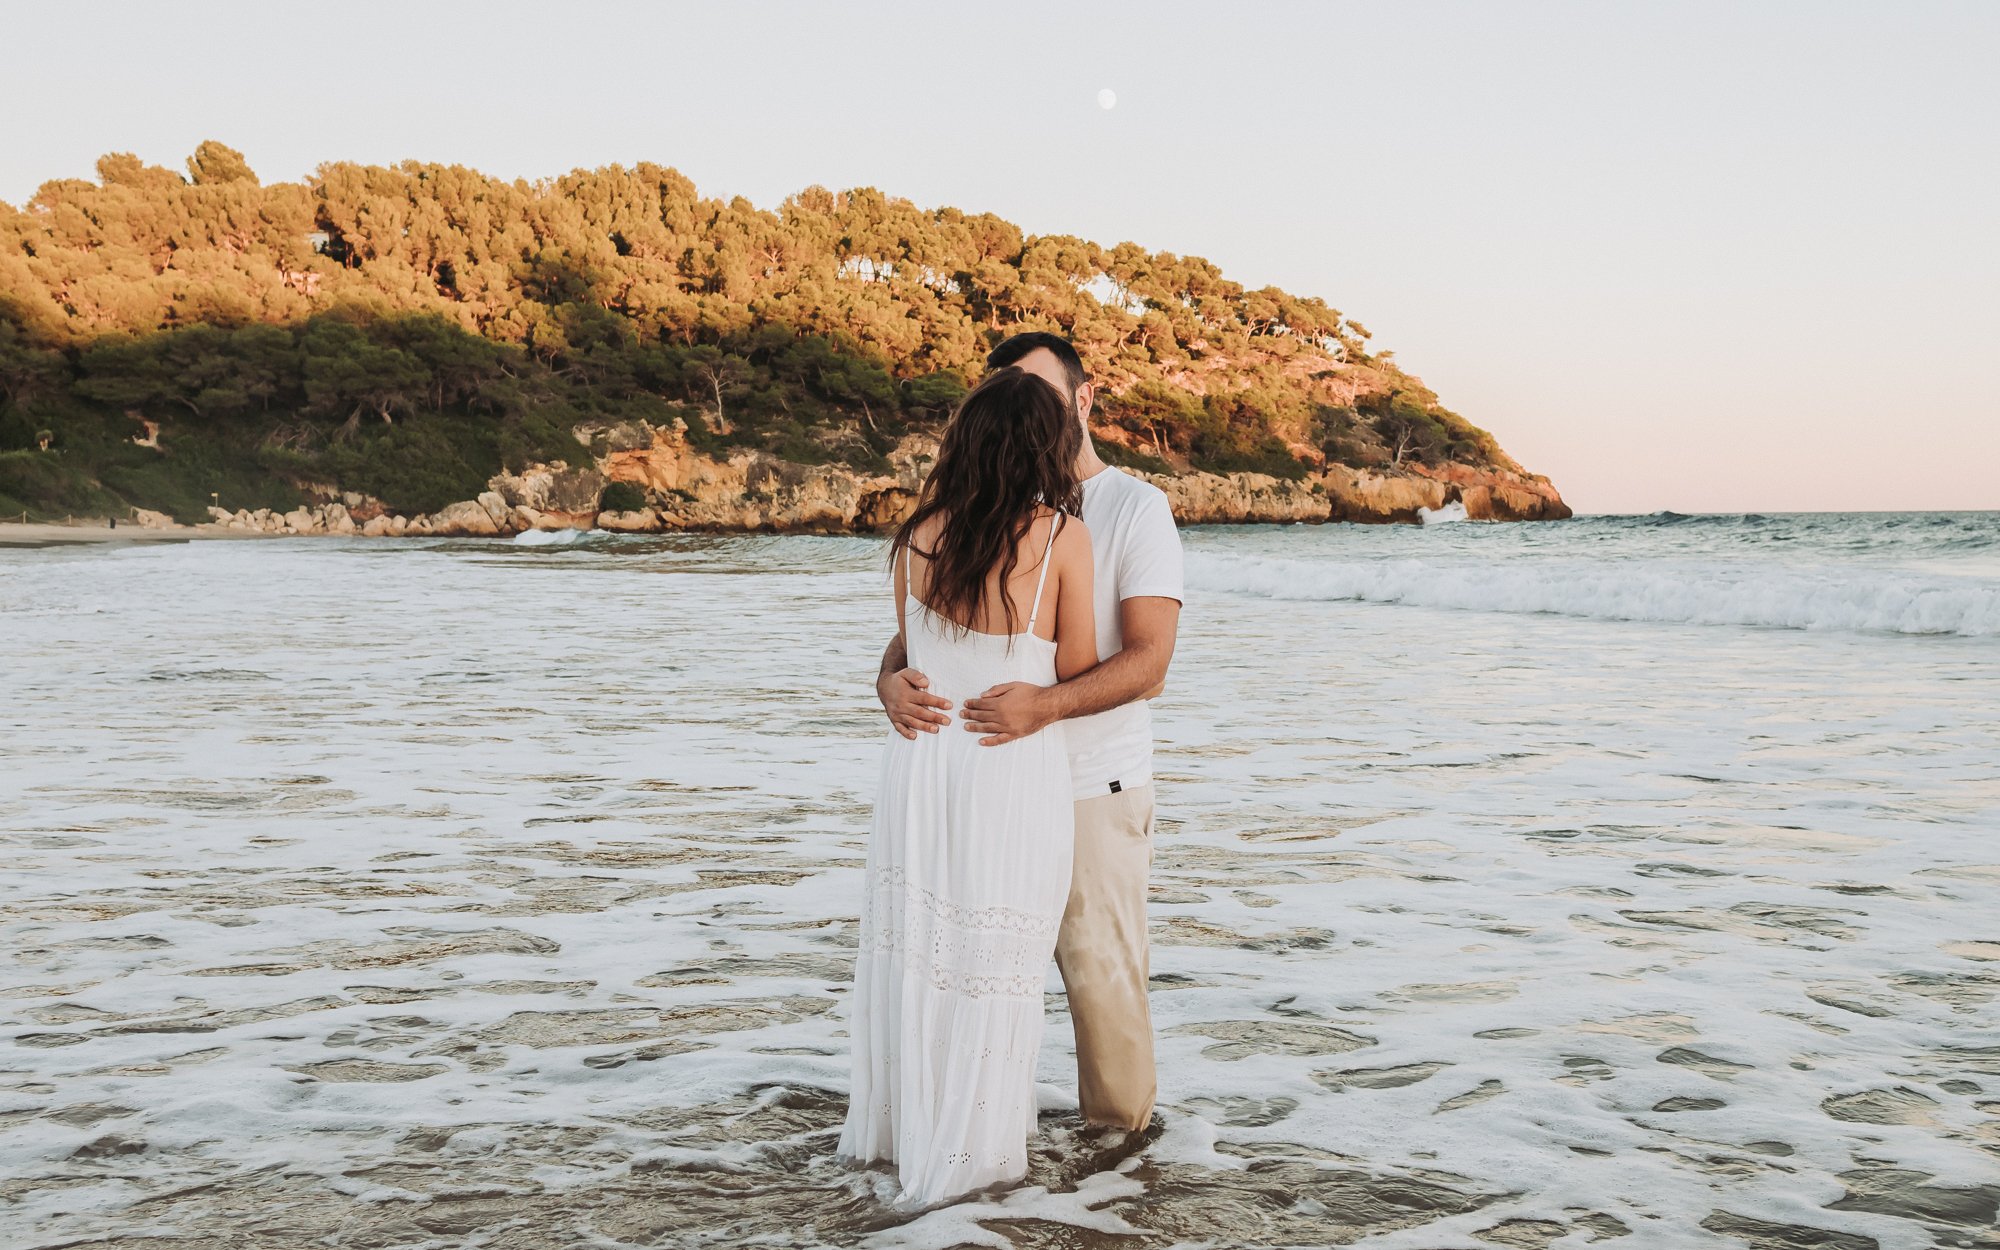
(1086, 394)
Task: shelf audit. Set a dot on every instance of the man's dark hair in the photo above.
(1011, 351)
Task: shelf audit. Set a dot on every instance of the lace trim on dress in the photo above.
(979, 919)
(977, 952)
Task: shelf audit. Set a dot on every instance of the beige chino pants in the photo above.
(1101, 951)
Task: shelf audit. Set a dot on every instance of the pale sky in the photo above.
(1699, 256)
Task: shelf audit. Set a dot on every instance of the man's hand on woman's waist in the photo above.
(1019, 708)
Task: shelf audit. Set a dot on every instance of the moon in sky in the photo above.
(1107, 99)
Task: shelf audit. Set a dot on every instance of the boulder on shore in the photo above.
(1204, 498)
(552, 488)
(334, 518)
(501, 512)
(753, 490)
(465, 519)
(644, 521)
(1371, 498)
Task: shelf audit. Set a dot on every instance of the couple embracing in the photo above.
(1037, 595)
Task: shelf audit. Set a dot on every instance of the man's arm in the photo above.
(903, 691)
(1149, 624)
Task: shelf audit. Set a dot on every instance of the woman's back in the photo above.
(968, 873)
(969, 854)
(963, 659)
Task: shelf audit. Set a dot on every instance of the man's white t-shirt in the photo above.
(1137, 552)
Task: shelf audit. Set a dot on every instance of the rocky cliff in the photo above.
(752, 491)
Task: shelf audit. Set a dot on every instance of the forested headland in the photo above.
(171, 340)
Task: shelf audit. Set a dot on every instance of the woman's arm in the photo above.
(1076, 616)
(899, 579)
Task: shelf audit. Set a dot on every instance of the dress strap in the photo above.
(1036, 610)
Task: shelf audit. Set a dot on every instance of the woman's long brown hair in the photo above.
(1010, 448)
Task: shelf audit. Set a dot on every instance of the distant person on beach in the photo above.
(1102, 946)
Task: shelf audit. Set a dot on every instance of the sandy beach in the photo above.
(42, 534)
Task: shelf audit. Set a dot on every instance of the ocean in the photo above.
(1623, 878)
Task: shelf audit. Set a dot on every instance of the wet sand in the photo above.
(505, 897)
(39, 534)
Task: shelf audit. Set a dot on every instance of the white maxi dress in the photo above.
(968, 873)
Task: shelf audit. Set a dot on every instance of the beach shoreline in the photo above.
(55, 534)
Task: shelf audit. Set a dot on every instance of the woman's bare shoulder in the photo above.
(1073, 539)
(1040, 522)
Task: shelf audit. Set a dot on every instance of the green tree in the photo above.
(348, 375)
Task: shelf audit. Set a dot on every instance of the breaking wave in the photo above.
(1855, 600)
(554, 538)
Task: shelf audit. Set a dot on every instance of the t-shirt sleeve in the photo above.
(1151, 563)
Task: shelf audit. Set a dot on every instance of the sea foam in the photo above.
(554, 538)
(1446, 940)
(1855, 600)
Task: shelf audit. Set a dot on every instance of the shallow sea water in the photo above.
(373, 893)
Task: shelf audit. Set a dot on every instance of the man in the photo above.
(1101, 949)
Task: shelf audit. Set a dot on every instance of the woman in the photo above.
(969, 857)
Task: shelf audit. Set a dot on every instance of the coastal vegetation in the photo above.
(169, 340)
